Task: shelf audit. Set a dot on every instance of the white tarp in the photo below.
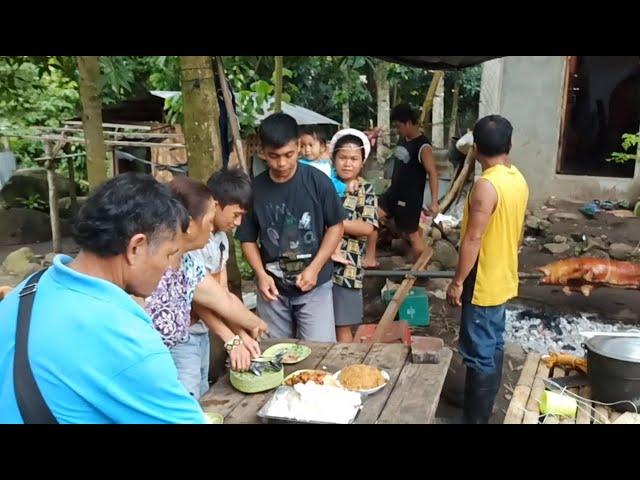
(302, 115)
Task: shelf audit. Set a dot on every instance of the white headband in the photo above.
(354, 132)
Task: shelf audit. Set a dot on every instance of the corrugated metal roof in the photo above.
(440, 63)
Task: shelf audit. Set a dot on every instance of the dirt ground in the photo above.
(615, 305)
(610, 304)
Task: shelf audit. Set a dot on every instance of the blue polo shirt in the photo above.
(94, 354)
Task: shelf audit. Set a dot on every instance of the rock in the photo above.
(545, 224)
(620, 251)
(434, 267)
(533, 222)
(557, 248)
(541, 213)
(596, 253)
(438, 284)
(32, 182)
(22, 225)
(560, 239)
(563, 216)
(17, 262)
(595, 243)
(435, 234)
(454, 238)
(48, 258)
(445, 254)
(64, 205)
(551, 202)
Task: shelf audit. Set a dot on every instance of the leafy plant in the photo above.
(246, 272)
(33, 202)
(629, 140)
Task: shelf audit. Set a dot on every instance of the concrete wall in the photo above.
(530, 93)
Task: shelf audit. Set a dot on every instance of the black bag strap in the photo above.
(32, 406)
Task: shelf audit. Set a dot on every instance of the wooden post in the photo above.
(277, 106)
(89, 83)
(394, 305)
(428, 100)
(233, 118)
(50, 166)
(454, 109)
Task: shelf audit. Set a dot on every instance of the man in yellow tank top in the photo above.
(487, 273)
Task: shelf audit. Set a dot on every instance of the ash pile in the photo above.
(543, 332)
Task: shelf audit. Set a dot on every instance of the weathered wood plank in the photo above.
(390, 358)
(585, 412)
(416, 394)
(222, 398)
(517, 406)
(344, 354)
(601, 414)
(532, 414)
(389, 314)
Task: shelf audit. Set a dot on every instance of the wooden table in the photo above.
(524, 407)
(411, 396)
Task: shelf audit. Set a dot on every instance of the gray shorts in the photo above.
(347, 306)
(307, 317)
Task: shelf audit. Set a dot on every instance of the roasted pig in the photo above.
(586, 274)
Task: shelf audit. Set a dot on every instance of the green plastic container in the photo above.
(415, 308)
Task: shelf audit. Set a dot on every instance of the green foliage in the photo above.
(246, 272)
(34, 202)
(629, 141)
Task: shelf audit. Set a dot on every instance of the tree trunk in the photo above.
(437, 118)
(50, 166)
(346, 111)
(89, 83)
(233, 118)
(277, 106)
(454, 108)
(201, 117)
(345, 114)
(382, 96)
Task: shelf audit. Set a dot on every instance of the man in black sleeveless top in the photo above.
(413, 158)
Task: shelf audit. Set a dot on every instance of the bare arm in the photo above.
(429, 163)
(309, 276)
(212, 295)
(482, 203)
(223, 279)
(266, 284)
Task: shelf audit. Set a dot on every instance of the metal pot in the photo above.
(614, 370)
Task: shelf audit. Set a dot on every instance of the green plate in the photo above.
(214, 418)
(295, 353)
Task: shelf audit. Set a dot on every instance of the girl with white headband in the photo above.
(349, 149)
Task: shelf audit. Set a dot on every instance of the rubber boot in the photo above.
(480, 392)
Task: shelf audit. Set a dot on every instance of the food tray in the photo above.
(266, 418)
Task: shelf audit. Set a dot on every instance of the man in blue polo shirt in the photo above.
(93, 351)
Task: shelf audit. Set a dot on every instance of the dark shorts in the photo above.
(405, 213)
(348, 307)
(481, 334)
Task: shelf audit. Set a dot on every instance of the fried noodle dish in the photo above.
(361, 377)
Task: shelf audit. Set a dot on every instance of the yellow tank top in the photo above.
(494, 278)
